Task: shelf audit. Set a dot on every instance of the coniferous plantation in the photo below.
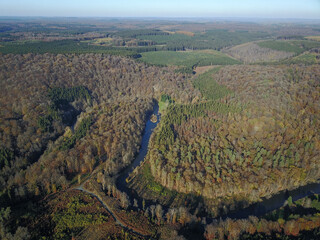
(232, 150)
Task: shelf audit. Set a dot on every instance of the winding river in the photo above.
(256, 209)
(274, 202)
(150, 126)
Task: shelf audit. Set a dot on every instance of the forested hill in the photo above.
(43, 94)
(254, 127)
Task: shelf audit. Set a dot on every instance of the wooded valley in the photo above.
(237, 123)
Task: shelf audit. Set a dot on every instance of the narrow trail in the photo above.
(80, 188)
(117, 220)
(122, 185)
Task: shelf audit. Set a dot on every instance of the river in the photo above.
(256, 209)
(150, 126)
(274, 202)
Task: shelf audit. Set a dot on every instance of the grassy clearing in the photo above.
(155, 187)
(188, 58)
(164, 102)
(146, 186)
(163, 106)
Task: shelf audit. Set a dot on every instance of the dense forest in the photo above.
(238, 123)
(256, 125)
(44, 118)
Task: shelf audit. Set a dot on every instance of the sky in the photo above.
(306, 9)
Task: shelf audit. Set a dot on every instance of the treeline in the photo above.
(297, 220)
(212, 39)
(302, 228)
(139, 32)
(156, 40)
(63, 47)
(47, 35)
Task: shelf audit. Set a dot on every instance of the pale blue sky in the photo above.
(165, 8)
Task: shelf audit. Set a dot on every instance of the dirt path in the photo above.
(80, 188)
(117, 220)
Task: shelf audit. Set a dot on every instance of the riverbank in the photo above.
(121, 182)
(141, 190)
(140, 186)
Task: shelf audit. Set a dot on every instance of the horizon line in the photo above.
(167, 17)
